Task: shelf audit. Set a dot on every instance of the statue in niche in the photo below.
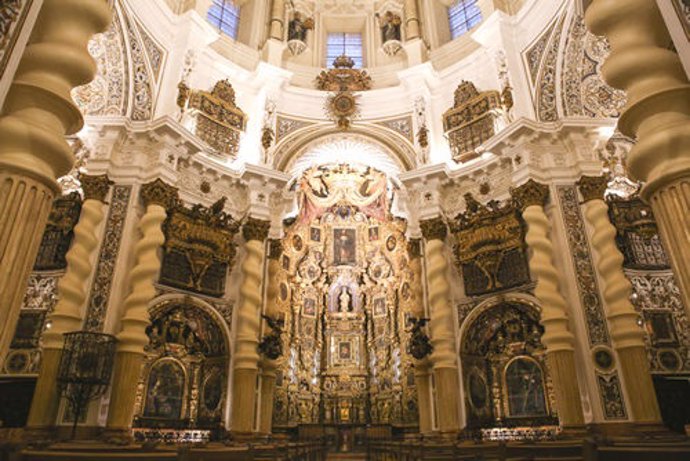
(345, 301)
(389, 24)
(298, 27)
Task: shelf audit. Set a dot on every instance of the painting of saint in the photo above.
(165, 391)
(315, 234)
(309, 308)
(286, 263)
(344, 247)
(525, 388)
(344, 350)
(373, 233)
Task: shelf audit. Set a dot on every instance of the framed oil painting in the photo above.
(344, 247)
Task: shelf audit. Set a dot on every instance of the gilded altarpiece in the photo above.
(345, 289)
(184, 381)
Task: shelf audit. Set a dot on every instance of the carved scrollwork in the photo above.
(593, 187)
(271, 345)
(419, 345)
(343, 77)
(59, 233)
(255, 229)
(95, 187)
(530, 194)
(434, 229)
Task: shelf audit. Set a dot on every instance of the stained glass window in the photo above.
(463, 15)
(340, 43)
(225, 15)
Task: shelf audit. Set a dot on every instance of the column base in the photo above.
(243, 401)
(447, 392)
(119, 437)
(123, 394)
(634, 365)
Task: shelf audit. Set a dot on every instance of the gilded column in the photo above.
(277, 19)
(422, 368)
(657, 115)
(557, 338)
(246, 361)
(37, 114)
(627, 336)
(444, 358)
(268, 365)
(67, 315)
(411, 20)
(131, 340)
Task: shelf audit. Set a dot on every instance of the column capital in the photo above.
(158, 192)
(95, 187)
(414, 248)
(530, 194)
(255, 229)
(434, 228)
(275, 249)
(593, 187)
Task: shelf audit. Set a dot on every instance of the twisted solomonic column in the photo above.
(246, 359)
(158, 197)
(67, 315)
(531, 197)
(627, 335)
(268, 366)
(444, 358)
(422, 368)
(37, 113)
(657, 115)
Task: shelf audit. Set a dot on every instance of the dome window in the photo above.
(225, 15)
(343, 43)
(463, 15)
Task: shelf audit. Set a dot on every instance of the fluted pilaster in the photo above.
(626, 334)
(557, 338)
(657, 115)
(444, 357)
(246, 361)
(38, 112)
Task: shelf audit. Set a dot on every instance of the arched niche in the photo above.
(372, 145)
(505, 377)
(184, 381)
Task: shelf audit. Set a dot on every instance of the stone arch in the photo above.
(399, 149)
(504, 363)
(191, 333)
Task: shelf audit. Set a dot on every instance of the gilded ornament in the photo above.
(255, 229)
(343, 77)
(414, 247)
(95, 187)
(471, 120)
(434, 229)
(275, 249)
(593, 187)
(159, 193)
(530, 194)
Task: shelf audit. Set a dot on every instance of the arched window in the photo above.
(463, 15)
(225, 15)
(342, 43)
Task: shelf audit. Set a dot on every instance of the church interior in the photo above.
(344, 229)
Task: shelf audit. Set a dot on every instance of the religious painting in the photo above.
(525, 388)
(344, 247)
(478, 390)
(373, 233)
(286, 263)
(165, 390)
(309, 307)
(213, 392)
(379, 307)
(405, 291)
(661, 328)
(345, 351)
(283, 291)
(29, 328)
(315, 234)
